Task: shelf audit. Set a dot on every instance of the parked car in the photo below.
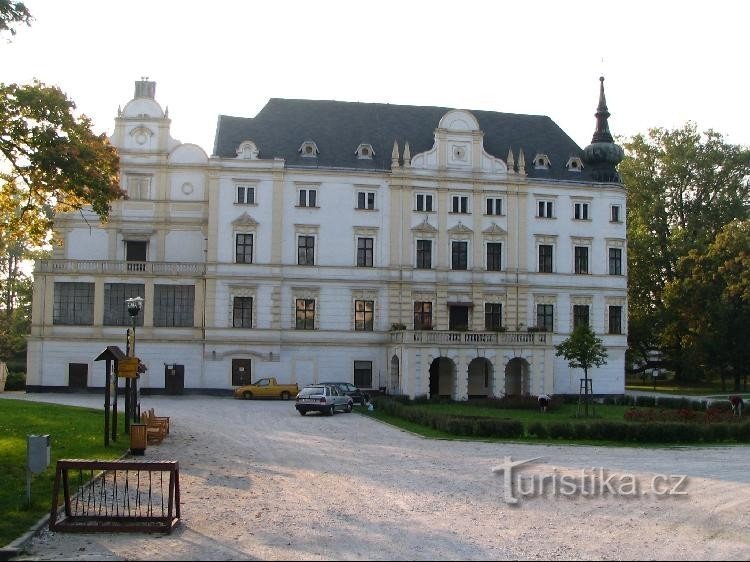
(349, 389)
(266, 388)
(322, 398)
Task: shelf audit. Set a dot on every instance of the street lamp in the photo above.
(135, 305)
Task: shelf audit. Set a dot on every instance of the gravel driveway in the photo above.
(261, 482)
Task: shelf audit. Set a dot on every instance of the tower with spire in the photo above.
(602, 156)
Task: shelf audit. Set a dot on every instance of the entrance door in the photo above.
(78, 376)
(241, 372)
(459, 318)
(174, 379)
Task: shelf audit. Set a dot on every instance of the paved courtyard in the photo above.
(261, 482)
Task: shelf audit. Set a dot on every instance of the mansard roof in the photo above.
(338, 128)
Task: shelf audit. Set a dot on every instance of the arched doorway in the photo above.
(517, 377)
(480, 378)
(395, 383)
(442, 378)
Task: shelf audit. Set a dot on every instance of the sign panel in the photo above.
(128, 367)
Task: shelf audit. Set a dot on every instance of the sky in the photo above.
(665, 62)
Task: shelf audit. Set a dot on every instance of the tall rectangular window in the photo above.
(243, 248)
(138, 186)
(544, 209)
(460, 204)
(245, 195)
(581, 211)
(422, 315)
(364, 252)
(306, 250)
(424, 254)
(135, 250)
(115, 309)
(615, 320)
(305, 316)
(242, 312)
(494, 256)
(74, 304)
(545, 317)
(581, 259)
(615, 261)
(174, 306)
(545, 258)
(459, 255)
(364, 312)
(493, 316)
(494, 206)
(580, 315)
(363, 374)
(308, 197)
(366, 200)
(424, 202)
(614, 213)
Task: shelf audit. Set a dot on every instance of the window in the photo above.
(115, 309)
(545, 317)
(135, 250)
(364, 252)
(363, 374)
(615, 320)
(544, 209)
(245, 195)
(243, 248)
(309, 149)
(615, 261)
(581, 211)
(581, 259)
(138, 187)
(306, 250)
(574, 164)
(459, 255)
(74, 304)
(614, 213)
(242, 312)
(494, 206)
(365, 152)
(422, 315)
(541, 162)
(305, 314)
(424, 254)
(308, 197)
(366, 200)
(363, 315)
(545, 258)
(494, 256)
(173, 305)
(460, 204)
(580, 315)
(493, 316)
(424, 202)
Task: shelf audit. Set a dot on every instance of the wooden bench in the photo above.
(160, 419)
(156, 430)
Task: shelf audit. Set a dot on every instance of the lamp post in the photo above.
(135, 305)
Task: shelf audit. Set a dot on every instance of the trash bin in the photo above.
(137, 438)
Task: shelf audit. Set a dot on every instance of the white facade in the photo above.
(190, 213)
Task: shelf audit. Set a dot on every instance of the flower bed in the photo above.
(683, 415)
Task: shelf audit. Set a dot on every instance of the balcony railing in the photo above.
(119, 267)
(469, 338)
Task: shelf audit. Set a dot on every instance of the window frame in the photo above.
(581, 315)
(360, 367)
(244, 321)
(615, 213)
(459, 259)
(305, 315)
(581, 211)
(424, 197)
(581, 260)
(245, 189)
(423, 257)
(460, 204)
(493, 206)
(174, 306)
(364, 315)
(244, 245)
(542, 260)
(366, 200)
(545, 209)
(423, 315)
(73, 303)
(365, 256)
(614, 262)
(494, 262)
(615, 320)
(307, 197)
(309, 250)
(493, 316)
(545, 317)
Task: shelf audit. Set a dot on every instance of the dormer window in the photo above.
(541, 162)
(365, 152)
(247, 151)
(309, 149)
(574, 164)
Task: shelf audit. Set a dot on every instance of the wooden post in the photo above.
(107, 386)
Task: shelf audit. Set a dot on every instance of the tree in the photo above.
(682, 187)
(583, 350)
(711, 299)
(12, 13)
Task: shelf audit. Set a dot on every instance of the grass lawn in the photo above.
(75, 433)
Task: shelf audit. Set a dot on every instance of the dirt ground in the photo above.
(261, 482)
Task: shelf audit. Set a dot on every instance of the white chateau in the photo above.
(419, 250)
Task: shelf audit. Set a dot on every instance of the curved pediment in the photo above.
(459, 120)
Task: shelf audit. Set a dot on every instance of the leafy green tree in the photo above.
(583, 350)
(12, 13)
(710, 297)
(682, 187)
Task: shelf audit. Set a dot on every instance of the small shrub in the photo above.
(649, 401)
(15, 381)
(538, 430)
(560, 430)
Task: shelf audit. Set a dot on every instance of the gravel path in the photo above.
(261, 482)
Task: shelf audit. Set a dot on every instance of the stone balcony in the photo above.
(475, 339)
(119, 267)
